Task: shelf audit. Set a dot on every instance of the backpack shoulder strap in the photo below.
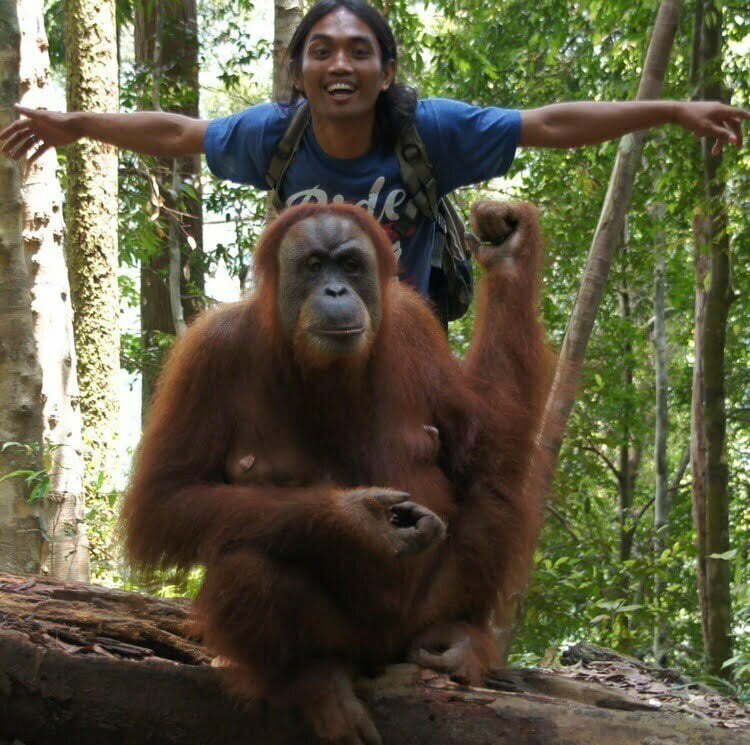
(284, 153)
(416, 170)
(418, 176)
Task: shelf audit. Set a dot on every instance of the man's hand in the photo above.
(159, 133)
(712, 119)
(39, 129)
(590, 122)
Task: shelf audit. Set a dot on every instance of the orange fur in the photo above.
(294, 578)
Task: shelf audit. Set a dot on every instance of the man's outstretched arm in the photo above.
(149, 132)
(587, 122)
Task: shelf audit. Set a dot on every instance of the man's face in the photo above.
(342, 72)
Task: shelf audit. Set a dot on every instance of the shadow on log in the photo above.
(86, 664)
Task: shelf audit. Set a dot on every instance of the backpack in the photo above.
(451, 285)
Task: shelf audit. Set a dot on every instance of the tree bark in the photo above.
(173, 278)
(20, 376)
(603, 247)
(697, 427)
(286, 17)
(661, 488)
(697, 430)
(86, 664)
(718, 300)
(91, 218)
(630, 449)
(56, 539)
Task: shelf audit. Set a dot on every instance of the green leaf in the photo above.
(629, 608)
(25, 472)
(39, 492)
(726, 556)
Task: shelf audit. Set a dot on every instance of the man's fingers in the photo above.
(23, 147)
(717, 147)
(38, 154)
(721, 133)
(12, 131)
(736, 126)
(733, 112)
(721, 121)
(730, 128)
(26, 111)
(16, 142)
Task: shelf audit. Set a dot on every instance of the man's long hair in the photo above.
(395, 107)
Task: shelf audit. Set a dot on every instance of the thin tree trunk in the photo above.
(91, 248)
(179, 69)
(604, 246)
(630, 450)
(175, 259)
(661, 488)
(286, 17)
(20, 376)
(697, 427)
(52, 418)
(718, 300)
(628, 459)
(65, 549)
(697, 431)
(172, 280)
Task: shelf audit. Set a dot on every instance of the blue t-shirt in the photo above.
(465, 144)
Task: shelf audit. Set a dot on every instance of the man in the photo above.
(343, 61)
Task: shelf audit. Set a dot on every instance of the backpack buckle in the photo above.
(410, 152)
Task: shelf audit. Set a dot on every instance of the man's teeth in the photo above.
(340, 88)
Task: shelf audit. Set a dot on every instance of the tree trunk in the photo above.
(91, 218)
(52, 536)
(661, 490)
(90, 665)
(604, 247)
(718, 299)
(697, 427)
(286, 17)
(172, 280)
(20, 376)
(630, 450)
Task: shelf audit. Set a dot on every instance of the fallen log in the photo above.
(91, 665)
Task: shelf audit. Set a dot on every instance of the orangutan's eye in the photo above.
(352, 265)
(314, 264)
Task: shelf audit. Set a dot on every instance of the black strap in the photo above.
(416, 171)
(284, 153)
